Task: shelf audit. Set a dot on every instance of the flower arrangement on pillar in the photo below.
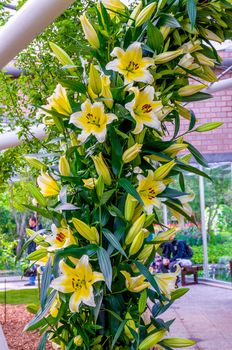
(116, 167)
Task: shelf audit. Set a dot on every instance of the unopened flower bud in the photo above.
(137, 243)
(95, 80)
(85, 230)
(106, 91)
(135, 229)
(131, 153)
(189, 90)
(130, 205)
(145, 14)
(163, 170)
(145, 252)
(64, 167)
(78, 340)
(167, 56)
(135, 13)
(102, 168)
(90, 33)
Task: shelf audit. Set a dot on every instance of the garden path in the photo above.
(203, 314)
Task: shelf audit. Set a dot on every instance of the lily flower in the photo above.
(113, 6)
(90, 183)
(167, 281)
(59, 102)
(148, 190)
(79, 281)
(61, 237)
(135, 284)
(47, 185)
(185, 207)
(143, 109)
(93, 120)
(64, 167)
(131, 64)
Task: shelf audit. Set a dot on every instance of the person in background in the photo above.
(176, 252)
(33, 225)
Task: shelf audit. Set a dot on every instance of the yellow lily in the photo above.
(90, 183)
(131, 64)
(93, 120)
(143, 109)
(89, 233)
(185, 207)
(102, 168)
(54, 309)
(61, 237)
(90, 32)
(47, 185)
(148, 190)
(135, 284)
(78, 340)
(59, 102)
(167, 281)
(79, 281)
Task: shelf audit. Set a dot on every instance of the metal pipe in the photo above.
(203, 226)
(11, 7)
(26, 24)
(11, 139)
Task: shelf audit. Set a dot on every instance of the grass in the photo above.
(22, 296)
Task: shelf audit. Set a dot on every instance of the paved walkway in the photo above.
(203, 314)
(13, 282)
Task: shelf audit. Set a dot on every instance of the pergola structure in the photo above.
(21, 29)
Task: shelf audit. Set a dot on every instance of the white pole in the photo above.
(203, 226)
(219, 86)
(165, 215)
(26, 24)
(11, 139)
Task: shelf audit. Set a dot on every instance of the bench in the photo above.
(190, 270)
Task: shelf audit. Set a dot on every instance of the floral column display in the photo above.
(121, 155)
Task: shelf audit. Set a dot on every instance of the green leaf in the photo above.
(118, 333)
(181, 181)
(37, 194)
(144, 271)
(45, 213)
(208, 126)
(192, 11)
(155, 39)
(197, 155)
(66, 206)
(142, 302)
(199, 96)
(32, 324)
(168, 21)
(73, 85)
(192, 169)
(43, 341)
(178, 293)
(113, 240)
(192, 120)
(177, 207)
(171, 193)
(106, 196)
(114, 211)
(118, 234)
(45, 283)
(116, 152)
(105, 266)
(129, 188)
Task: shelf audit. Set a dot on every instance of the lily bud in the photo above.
(166, 235)
(176, 148)
(135, 13)
(145, 252)
(102, 168)
(78, 340)
(163, 170)
(64, 167)
(90, 33)
(131, 153)
(149, 220)
(208, 34)
(178, 342)
(152, 340)
(95, 80)
(48, 186)
(106, 92)
(130, 205)
(135, 229)
(184, 112)
(131, 324)
(145, 14)
(74, 141)
(165, 31)
(189, 90)
(100, 187)
(204, 60)
(90, 183)
(35, 163)
(167, 56)
(86, 231)
(137, 243)
(190, 46)
(137, 213)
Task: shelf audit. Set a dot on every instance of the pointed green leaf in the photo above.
(114, 241)
(105, 266)
(192, 11)
(129, 188)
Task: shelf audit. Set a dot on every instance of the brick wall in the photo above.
(218, 108)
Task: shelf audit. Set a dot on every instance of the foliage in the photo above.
(116, 163)
(215, 252)
(7, 253)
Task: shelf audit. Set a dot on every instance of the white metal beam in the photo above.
(26, 24)
(219, 86)
(203, 226)
(11, 139)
